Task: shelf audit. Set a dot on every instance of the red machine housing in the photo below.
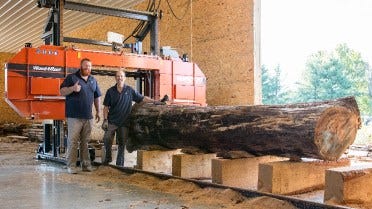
(34, 75)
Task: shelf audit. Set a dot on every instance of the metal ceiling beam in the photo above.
(125, 13)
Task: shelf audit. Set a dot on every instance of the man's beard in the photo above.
(85, 72)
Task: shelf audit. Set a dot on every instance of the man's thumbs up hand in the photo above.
(76, 87)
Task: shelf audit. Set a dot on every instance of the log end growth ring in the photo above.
(335, 131)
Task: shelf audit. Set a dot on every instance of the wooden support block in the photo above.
(349, 185)
(241, 172)
(192, 166)
(156, 160)
(289, 177)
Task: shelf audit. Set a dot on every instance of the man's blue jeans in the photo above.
(121, 136)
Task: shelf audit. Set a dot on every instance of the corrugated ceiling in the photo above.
(21, 21)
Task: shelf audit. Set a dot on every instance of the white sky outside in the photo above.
(292, 30)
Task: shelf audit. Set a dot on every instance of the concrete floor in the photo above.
(40, 186)
(29, 183)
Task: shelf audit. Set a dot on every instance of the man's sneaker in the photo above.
(72, 170)
(88, 168)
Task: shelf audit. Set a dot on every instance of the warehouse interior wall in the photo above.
(223, 48)
(257, 53)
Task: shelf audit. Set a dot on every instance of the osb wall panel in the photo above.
(174, 32)
(7, 115)
(217, 35)
(223, 47)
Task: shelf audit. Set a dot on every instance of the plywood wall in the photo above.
(223, 48)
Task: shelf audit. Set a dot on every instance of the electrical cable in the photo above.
(157, 8)
(142, 24)
(184, 14)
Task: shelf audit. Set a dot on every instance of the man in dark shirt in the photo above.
(81, 91)
(117, 108)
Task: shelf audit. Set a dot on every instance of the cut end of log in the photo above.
(335, 131)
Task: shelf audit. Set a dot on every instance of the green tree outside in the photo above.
(336, 74)
(273, 91)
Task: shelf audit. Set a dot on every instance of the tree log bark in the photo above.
(321, 130)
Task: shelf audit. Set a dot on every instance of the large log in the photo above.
(321, 130)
